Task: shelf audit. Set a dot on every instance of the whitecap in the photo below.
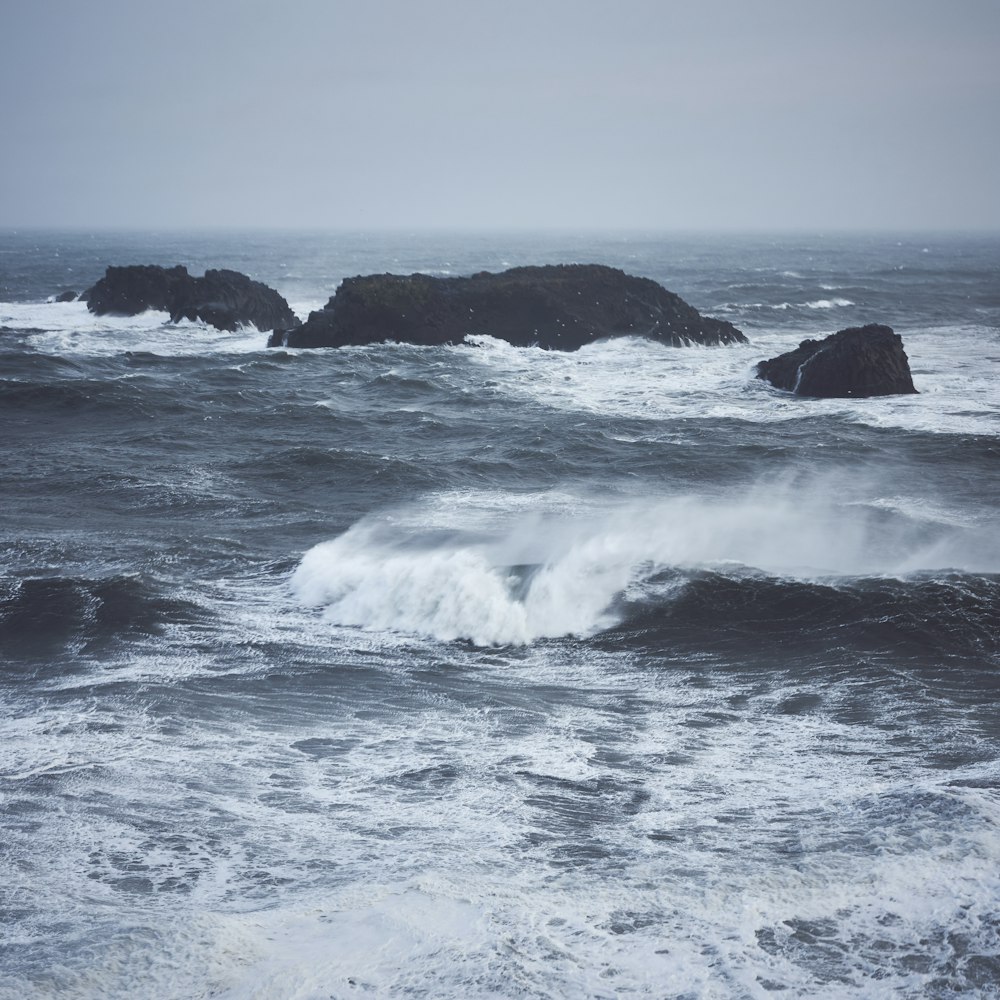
(537, 575)
(836, 303)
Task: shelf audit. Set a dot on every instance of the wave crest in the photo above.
(550, 576)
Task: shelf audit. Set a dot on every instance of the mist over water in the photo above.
(482, 671)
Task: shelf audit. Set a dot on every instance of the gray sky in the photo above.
(718, 114)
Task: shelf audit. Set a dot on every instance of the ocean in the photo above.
(481, 671)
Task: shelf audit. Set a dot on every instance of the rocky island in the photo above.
(224, 299)
(558, 307)
(859, 361)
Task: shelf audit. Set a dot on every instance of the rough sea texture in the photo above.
(490, 672)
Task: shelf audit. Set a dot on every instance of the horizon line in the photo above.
(622, 231)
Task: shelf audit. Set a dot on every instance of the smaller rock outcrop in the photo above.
(859, 361)
(68, 296)
(557, 307)
(225, 299)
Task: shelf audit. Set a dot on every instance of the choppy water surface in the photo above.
(482, 671)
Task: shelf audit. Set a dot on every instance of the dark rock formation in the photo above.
(225, 299)
(558, 307)
(67, 296)
(859, 361)
(128, 291)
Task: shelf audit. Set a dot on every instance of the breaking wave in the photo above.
(829, 304)
(548, 576)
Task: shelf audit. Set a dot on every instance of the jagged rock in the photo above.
(67, 296)
(559, 307)
(225, 299)
(859, 361)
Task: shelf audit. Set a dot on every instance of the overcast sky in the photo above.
(404, 114)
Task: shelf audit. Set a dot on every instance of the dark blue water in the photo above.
(483, 671)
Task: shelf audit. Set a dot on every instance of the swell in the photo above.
(42, 617)
(931, 619)
(81, 396)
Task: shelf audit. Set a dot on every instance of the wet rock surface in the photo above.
(859, 361)
(225, 299)
(558, 307)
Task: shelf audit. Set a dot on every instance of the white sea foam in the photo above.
(834, 303)
(548, 576)
(786, 848)
(68, 328)
(636, 378)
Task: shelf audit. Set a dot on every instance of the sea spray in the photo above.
(542, 576)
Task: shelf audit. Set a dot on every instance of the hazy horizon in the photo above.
(624, 232)
(648, 117)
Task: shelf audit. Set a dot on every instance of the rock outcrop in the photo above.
(560, 307)
(858, 361)
(67, 296)
(225, 299)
